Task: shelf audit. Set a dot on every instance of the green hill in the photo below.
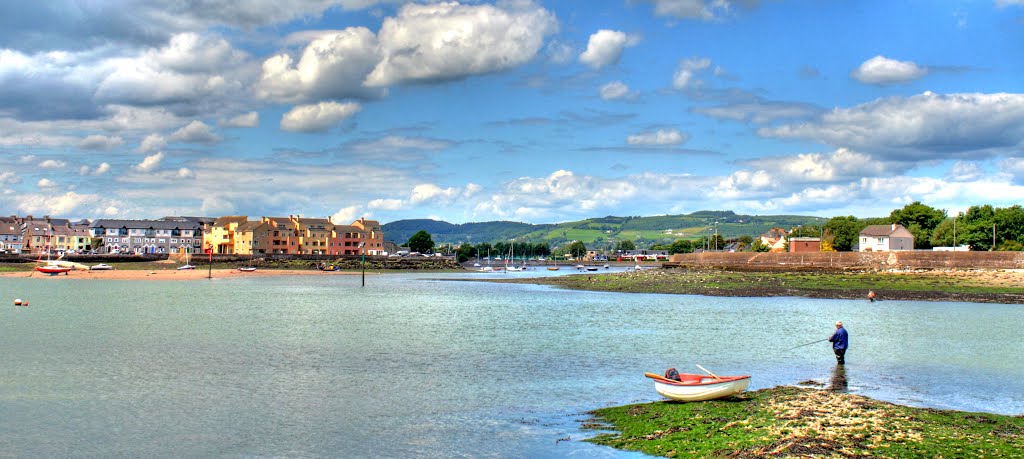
(599, 232)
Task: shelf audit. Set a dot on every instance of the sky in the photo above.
(529, 111)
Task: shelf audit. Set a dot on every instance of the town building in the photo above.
(147, 236)
(38, 234)
(885, 238)
(643, 254)
(775, 239)
(805, 244)
(10, 235)
(294, 234)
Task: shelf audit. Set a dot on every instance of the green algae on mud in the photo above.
(800, 422)
(984, 287)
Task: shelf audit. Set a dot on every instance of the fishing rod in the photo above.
(807, 344)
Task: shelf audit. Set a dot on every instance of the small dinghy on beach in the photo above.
(696, 387)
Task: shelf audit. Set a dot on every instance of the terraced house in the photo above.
(294, 234)
(40, 234)
(10, 235)
(168, 235)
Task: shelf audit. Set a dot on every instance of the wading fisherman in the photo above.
(840, 340)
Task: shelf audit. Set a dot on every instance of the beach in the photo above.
(170, 273)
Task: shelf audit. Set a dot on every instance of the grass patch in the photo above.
(799, 422)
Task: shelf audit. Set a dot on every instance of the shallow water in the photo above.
(415, 365)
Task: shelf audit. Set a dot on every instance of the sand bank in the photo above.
(173, 274)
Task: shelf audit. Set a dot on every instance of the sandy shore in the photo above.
(173, 274)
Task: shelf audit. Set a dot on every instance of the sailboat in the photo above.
(512, 256)
(188, 256)
(250, 268)
(52, 267)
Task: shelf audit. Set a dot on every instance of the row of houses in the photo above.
(873, 238)
(173, 235)
(294, 234)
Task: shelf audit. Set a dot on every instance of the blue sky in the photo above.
(533, 111)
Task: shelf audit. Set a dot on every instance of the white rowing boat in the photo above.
(695, 388)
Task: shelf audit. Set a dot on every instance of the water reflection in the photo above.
(838, 382)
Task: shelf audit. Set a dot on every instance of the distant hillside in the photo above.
(600, 232)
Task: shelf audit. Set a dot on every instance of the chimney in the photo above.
(894, 227)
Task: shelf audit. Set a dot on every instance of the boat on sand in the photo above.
(696, 387)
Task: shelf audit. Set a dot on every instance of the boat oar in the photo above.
(807, 344)
(657, 376)
(710, 373)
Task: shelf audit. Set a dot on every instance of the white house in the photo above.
(885, 238)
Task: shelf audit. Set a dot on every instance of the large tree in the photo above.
(1010, 228)
(420, 242)
(681, 246)
(577, 249)
(845, 231)
(977, 226)
(625, 245)
(920, 220)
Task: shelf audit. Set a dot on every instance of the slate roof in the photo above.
(880, 230)
(145, 224)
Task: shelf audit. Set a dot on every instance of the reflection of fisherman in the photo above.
(838, 383)
(871, 296)
(840, 340)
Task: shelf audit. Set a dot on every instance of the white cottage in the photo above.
(886, 238)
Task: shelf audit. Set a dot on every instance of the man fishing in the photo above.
(840, 340)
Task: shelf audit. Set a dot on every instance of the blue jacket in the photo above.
(839, 339)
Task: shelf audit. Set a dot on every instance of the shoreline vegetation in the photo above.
(791, 422)
(979, 286)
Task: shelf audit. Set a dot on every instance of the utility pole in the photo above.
(993, 237)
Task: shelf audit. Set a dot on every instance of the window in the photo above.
(174, 241)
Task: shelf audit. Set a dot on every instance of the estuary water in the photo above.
(421, 365)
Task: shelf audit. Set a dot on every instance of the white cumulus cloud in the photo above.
(605, 47)
(100, 142)
(52, 164)
(917, 127)
(687, 70)
(9, 178)
(449, 40)
(245, 120)
(150, 163)
(349, 214)
(615, 90)
(333, 65)
(317, 118)
(152, 142)
(670, 136)
(195, 132)
(882, 70)
(386, 204)
(691, 9)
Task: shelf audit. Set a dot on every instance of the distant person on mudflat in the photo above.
(840, 341)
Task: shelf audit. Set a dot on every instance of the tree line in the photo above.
(981, 227)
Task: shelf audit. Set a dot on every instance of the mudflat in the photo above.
(986, 286)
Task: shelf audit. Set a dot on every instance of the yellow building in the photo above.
(220, 236)
(373, 236)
